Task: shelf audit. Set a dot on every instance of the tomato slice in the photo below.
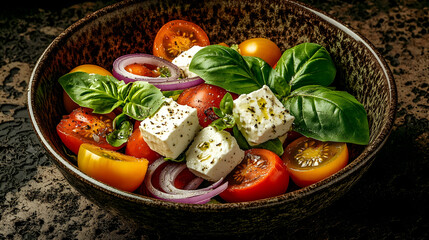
(176, 37)
(309, 161)
(137, 147)
(203, 97)
(83, 126)
(113, 168)
(69, 104)
(141, 70)
(262, 48)
(261, 174)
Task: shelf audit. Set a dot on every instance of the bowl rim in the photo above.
(368, 152)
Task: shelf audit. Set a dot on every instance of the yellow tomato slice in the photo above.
(309, 161)
(113, 168)
(91, 68)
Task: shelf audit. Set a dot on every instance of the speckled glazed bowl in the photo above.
(130, 27)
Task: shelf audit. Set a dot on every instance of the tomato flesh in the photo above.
(309, 161)
(176, 37)
(262, 48)
(261, 174)
(141, 70)
(113, 168)
(83, 126)
(204, 97)
(137, 147)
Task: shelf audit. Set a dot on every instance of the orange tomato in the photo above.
(262, 48)
(309, 161)
(113, 168)
(176, 37)
(69, 104)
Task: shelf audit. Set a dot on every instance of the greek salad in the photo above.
(196, 122)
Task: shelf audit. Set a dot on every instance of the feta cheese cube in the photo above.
(171, 129)
(260, 116)
(184, 59)
(213, 154)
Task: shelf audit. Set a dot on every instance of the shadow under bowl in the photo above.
(130, 27)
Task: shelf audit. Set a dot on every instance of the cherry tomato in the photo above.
(176, 37)
(113, 168)
(141, 69)
(203, 97)
(262, 48)
(69, 104)
(83, 126)
(309, 161)
(137, 147)
(261, 174)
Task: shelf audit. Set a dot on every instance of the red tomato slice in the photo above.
(261, 174)
(176, 37)
(137, 147)
(141, 70)
(203, 97)
(309, 160)
(83, 126)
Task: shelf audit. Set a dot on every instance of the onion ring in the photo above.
(173, 194)
(173, 82)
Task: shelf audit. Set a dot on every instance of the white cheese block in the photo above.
(213, 154)
(184, 59)
(260, 116)
(171, 129)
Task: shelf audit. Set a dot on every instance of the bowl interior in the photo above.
(130, 27)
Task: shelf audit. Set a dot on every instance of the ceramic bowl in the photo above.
(130, 27)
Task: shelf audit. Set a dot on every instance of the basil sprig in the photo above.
(300, 81)
(224, 112)
(103, 94)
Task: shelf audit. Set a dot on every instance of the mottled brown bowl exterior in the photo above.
(130, 27)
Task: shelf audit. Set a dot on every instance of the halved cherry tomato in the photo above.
(69, 104)
(262, 48)
(113, 168)
(203, 97)
(261, 174)
(137, 147)
(141, 69)
(309, 161)
(83, 126)
(176, 37)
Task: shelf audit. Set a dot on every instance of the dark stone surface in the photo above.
(390, 201)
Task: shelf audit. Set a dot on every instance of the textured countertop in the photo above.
(389, 202)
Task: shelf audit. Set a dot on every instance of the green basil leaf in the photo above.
(180, 158)
(218, 112)
(123, 130)
(172, 94)
(223, 123)
(143, 100)
(226, 104)
(328, 115)
(262, 70)
(306, 64)
(101, 93)
(241, 140)
(226, 68)
(274, 145)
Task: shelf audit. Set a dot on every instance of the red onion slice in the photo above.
(166, 181)
(164, 83)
